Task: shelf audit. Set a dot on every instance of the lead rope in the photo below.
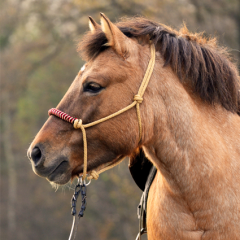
(80, 188)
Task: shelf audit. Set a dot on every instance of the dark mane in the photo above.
(192, 57)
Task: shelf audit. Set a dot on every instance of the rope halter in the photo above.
(77, 123)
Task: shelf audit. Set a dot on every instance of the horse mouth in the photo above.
(93, 166)
(61, 174)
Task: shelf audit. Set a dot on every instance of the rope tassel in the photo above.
(77, 123)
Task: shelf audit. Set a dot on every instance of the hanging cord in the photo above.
(77, 123)
(80, 188)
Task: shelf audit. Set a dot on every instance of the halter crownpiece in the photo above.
(77, 123)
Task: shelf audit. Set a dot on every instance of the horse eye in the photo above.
(92, 87)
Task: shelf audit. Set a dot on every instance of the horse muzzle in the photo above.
(58, 171)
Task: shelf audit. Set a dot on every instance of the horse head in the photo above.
(105, 84)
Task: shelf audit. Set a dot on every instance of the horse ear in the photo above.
(93, 25)
(116, 39)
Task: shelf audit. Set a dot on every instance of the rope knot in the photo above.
(138, 98)
(93, 175)
(77, 123)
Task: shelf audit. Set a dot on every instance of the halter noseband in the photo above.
(77, 123)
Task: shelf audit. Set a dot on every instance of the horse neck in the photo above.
(186, 142)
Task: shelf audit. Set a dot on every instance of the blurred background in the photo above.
(38, 62)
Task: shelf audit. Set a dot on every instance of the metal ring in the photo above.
(80, 181)
(88, 181)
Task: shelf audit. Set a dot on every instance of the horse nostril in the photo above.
(36, 155)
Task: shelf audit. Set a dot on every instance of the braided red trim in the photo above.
(64, 116)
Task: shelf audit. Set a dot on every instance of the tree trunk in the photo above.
(11, 171)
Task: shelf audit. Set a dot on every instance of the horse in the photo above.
(190, 124)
